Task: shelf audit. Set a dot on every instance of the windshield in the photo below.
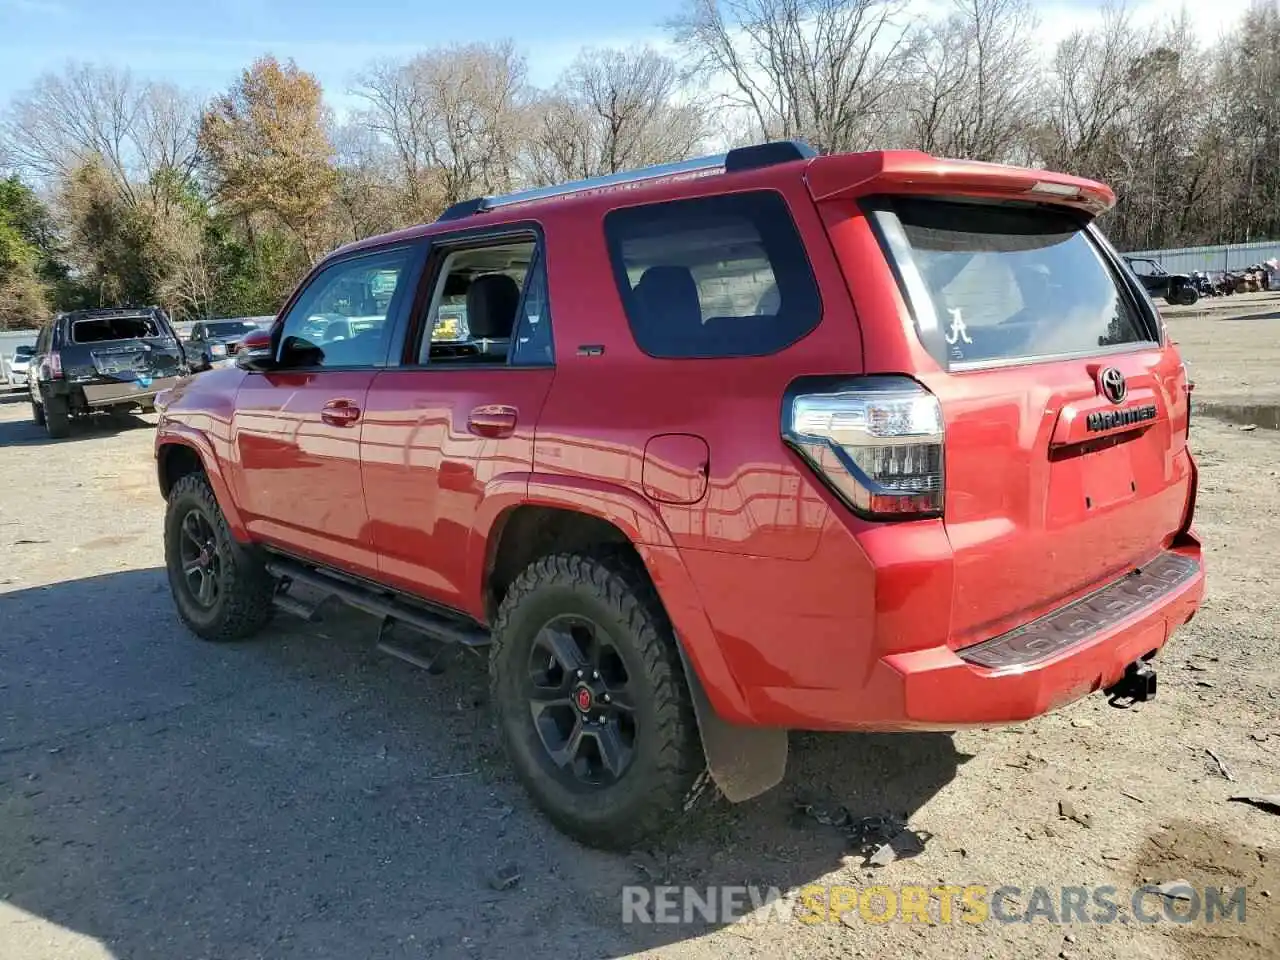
(230, 328)
(992, 283)
(24, 351)
(98, 329)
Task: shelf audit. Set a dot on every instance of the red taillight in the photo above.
(876, 441)
(55, 365)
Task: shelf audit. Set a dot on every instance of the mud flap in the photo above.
(743, 762)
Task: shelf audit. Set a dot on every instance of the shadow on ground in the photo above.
(303, 795)
(27, 433)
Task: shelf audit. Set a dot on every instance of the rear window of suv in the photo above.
(98, 329)
(994, 283)
(721, 276)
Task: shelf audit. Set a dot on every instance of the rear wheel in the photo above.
(57, 417)
(591, 700)
(221, 588)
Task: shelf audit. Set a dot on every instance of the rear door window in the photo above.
(995, 283)
(721, 276)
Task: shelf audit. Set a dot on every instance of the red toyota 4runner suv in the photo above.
(711, 451)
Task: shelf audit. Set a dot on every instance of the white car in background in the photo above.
(20, 366)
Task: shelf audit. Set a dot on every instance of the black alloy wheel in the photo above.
(577, 688)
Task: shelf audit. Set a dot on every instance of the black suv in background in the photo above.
(1175, 288)
(115, 360)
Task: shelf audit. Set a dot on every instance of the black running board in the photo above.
(385, 604)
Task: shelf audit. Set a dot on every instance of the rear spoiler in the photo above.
(853, 175)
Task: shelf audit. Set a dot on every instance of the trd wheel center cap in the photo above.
(583, 699)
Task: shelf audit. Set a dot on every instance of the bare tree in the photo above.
(97, 114)
(822, 70)
(613, 110)
(454, 117)
(368, 197)
(399, 111)
(973, 82)
(1091, 95)
(182, 269)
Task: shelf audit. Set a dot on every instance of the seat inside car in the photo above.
(492, 301)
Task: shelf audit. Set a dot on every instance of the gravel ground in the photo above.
(304, 796)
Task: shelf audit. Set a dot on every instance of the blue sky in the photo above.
(202, 46)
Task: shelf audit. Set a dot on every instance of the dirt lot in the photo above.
(304, 796)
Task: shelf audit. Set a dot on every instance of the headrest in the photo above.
(492, 301)
(668, 293)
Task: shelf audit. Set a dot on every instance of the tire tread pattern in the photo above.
(612, 576)
(246, 587)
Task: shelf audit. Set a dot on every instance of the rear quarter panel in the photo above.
(607, 402)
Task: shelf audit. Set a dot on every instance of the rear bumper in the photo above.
(111, 393)
(937, 688)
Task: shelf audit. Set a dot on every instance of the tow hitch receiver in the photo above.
(1138, 684)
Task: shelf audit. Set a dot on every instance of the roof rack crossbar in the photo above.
(742, 158)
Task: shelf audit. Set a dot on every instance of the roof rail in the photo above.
(735, 161)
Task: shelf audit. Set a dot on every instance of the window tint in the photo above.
(533, 326)
(723, 276)
(475, 304)
(231, 328)
(340, 319)
(1004, 283)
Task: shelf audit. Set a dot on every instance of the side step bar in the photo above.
(382, 603)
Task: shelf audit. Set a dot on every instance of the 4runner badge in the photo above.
(1109, 419)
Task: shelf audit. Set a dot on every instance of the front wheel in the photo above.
(37, 413)
(221, 588)
(591, 700)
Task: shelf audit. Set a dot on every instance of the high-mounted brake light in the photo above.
(876, 441)
(1055, 189)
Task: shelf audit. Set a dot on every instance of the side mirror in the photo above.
(255, 354)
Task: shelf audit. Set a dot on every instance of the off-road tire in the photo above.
(57, 417)
(667, 772)
(37, 414)
(245, 589)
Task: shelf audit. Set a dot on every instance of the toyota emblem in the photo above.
(1113, 386)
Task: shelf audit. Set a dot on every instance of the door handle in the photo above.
(340, 413)
(494, 421)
